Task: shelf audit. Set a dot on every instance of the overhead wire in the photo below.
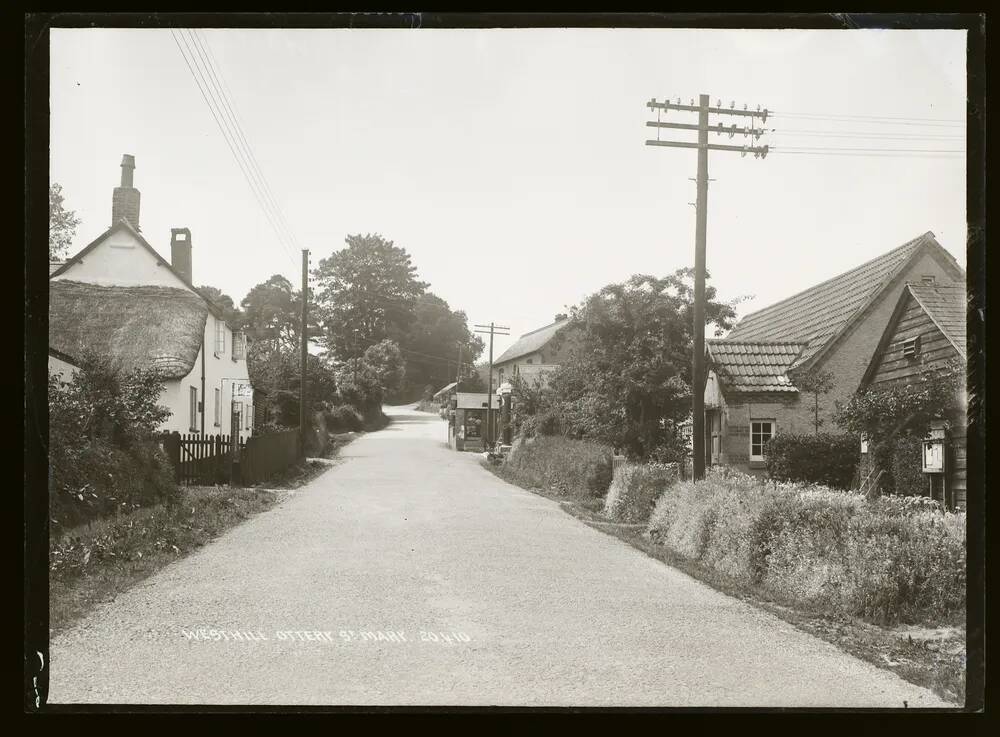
(199, 80)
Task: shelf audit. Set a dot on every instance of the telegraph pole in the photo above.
(492, 330)
(458, 367)
(701, 222)
(304, 347)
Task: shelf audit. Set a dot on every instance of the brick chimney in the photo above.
(125, 200)
(180, 252)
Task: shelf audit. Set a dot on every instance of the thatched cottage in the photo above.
(534, 354)
(757, 374)
(119, 297)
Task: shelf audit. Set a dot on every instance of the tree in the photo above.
(431, 343)
(627, 377)
(272, 313)
(816, 383)
(367, 292)
(224, 303)
(387, 361)
(62, 223)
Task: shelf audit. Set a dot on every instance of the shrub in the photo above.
(579, 468)
(635, 489)
(824, 458)
(889, 560)
(344, 418)
(905, 466)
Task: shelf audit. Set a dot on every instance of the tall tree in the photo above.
(224, 303)
(387, 361)
(431, 343)
(367, 292)
(62, 223)
(627, 379)
(272, 312)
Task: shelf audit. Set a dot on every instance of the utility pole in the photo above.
(458, 367)
(492, 330)
(304, 347)
(701, 222)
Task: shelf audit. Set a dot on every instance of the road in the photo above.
(408, 574)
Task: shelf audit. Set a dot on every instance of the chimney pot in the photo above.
(180, 252)
(125, 199)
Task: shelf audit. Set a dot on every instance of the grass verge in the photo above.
(932, 658)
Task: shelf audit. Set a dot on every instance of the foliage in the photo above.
(344, 418)
(358, 385)
(626, 378)
(278, 376)
(824, 458)
(811, 546)
(471, 383)
(387, 361)
(635, 489)
(367, 292)
(884, 412)
(578, 468)
(817, 383)
(905, 466)
(272, 314)
(62, 223)
(528, 400)
(430, 344)
(102, 455)
(224, 303)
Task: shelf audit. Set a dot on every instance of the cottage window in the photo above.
(239, 345)
(220, 337)
(194, 408)
(760, 432)
(528, 362)
(218, 406)
(911, 347)
(927, 279)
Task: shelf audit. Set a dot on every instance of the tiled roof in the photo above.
(946, 305)
(530, 342)
(754, 366)
(816, 315)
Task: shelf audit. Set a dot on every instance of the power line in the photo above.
(868, 155)
(796, 132)
(227, 98)
(871, 150)
(198, 79)
(235, 133)
(869, 118)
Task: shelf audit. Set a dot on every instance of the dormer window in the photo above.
(911, 347)
(927, 279)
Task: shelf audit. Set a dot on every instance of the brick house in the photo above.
(927, 332)
(752, 389)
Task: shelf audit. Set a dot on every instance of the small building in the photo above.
(120, 298)
(927, 332)
(467, 420)
(533, 355)
(755, 374)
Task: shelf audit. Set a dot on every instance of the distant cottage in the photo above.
(533, 355)
(118, 297)
(753, 387)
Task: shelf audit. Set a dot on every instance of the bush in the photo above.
(579, 468)
(824, 458)
(635, 489)
(905, 466)
(344, 418)
(887, 560)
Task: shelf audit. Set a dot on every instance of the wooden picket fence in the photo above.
(207, 460)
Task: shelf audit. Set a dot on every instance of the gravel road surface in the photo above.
(408, 574)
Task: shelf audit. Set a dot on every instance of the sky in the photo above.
(511, 163)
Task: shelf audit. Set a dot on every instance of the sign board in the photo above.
(933, 456)
(476, 400)
(242, 389)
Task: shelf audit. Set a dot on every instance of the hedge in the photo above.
(830, 459)
(889, 560)
(635, 489)
(579, 468)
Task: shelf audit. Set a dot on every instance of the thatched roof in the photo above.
(140, 326)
